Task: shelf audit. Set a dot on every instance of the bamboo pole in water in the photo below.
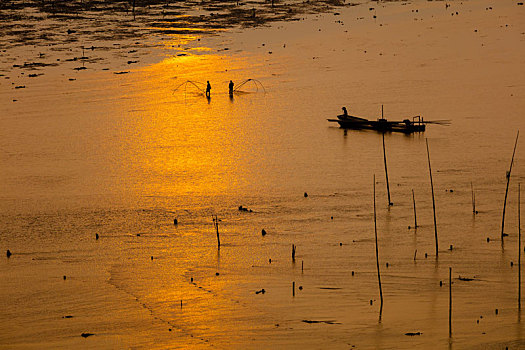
(216, 224)
(433, 200)
(519, 248)
(450, 302)
(507, 188)
(386, 172)
(415, 215)
(473, 198)
(377, 251)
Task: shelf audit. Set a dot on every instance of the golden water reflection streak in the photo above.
(181, 143)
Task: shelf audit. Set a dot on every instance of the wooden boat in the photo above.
(417, 124)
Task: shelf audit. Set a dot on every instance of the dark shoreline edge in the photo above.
(49, 26)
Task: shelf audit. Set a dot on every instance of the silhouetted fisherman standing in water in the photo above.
(208, 90)
(230, 88)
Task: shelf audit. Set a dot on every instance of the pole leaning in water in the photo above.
(415, 215)
(433, 200)
(377, 252)
(519, 248)
(216, 224)
(386, 172)
(473, 198)
(507, 188)
(450, 302)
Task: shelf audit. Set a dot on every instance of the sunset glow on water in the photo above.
(128, 143)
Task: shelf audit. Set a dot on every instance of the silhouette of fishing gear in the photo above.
(256, 83)
(201, 86)
(194, 83)
(445, 122)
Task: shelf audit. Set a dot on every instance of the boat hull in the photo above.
(382, 125)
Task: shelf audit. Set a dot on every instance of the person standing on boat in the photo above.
(345, 113)
(208, 89)
(230, 88)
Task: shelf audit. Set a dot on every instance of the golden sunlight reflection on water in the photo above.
(179, 142)
(123, 155)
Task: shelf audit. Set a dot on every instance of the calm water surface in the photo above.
(122, 155)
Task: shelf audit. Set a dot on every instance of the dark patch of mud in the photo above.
(33, 32)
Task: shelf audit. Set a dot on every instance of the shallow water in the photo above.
(122, 155)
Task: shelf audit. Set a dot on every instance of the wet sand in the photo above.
(122, 155)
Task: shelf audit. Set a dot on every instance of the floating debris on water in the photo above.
(468, 279)
(411, 334)
(326, 322)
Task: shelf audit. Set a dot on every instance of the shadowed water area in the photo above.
(105, 130)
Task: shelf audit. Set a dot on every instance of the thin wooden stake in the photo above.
(415, 215)
(386, 172)
(433, 201)
(377, 251)
(293, 252)
(450, 302)
(519, 247)
(293, 289)
(216, 224)
(473, 198)
(507, 188)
